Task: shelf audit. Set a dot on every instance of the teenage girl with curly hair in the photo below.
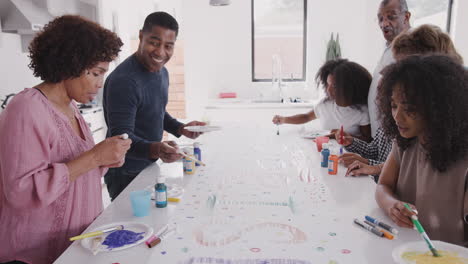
(422, 102)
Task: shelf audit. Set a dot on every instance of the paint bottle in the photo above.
(189, 164)
(333, 163)
(324, 155)
(197, 152)
(161, 193)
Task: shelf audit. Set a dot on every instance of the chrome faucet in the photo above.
(276, 74)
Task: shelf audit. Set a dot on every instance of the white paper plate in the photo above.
(131, 226)
(314, 134)
(203, 128)
(421, 246)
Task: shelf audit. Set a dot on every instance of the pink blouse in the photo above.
(40, 209)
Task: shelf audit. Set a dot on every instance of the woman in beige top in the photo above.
(422, 101)
(423, 40)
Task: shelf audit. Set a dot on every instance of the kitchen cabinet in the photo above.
(94, 118)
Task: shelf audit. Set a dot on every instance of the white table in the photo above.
(254, 173)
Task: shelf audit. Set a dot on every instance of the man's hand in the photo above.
(189, 134)
(167, 151)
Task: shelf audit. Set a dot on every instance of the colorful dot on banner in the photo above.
(332, 262)
(332, 234)
(185, 249)
(191, 217)
(320, 249)
(180, 238)
(163, 252)
(345, 251)
(255, 250)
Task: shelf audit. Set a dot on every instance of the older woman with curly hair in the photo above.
(423, 107)
(50, 168)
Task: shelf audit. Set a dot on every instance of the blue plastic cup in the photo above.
(141, 202)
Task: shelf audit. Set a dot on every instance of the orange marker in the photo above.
(385, 232)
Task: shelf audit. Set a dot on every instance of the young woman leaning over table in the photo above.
(367, 158)
(50, 168)
(422, 101)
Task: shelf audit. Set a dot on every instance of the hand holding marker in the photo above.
(423, 233)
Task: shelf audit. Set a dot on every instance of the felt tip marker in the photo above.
(382, 224)
(386, 233)
(368, 228)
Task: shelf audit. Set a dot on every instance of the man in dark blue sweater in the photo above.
(135, 99)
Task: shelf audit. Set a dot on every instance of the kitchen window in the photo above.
(435, 12)
(279, 34)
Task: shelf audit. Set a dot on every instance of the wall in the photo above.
(14, 72)
(218, 45)
(217, 50)
(460, 28)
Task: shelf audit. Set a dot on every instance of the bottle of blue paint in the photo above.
(161, 193)
(324, 155)
(197, 152)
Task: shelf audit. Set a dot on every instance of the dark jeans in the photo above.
(117, 179)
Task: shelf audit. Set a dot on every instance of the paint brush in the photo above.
(97, 233)
(422, 232)
(341, 140)
(191, 158)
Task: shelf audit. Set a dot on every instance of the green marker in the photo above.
(422, 232)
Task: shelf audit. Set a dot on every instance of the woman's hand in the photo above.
(111, 152)
(401, 215)
(278, 120)
(347, 138)
(349, 158)
(358, 168)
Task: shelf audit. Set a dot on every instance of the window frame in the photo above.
(304, 48)
(448, 25)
